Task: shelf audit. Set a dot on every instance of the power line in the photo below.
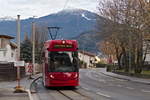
(65, 4)
(53, 36)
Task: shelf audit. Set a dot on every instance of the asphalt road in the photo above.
(96, 86)
(112, 88)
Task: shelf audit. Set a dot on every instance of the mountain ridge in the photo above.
(78, 24)
(73, 23)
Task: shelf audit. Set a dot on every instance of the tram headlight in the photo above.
(63, 41)
(51, 76)
(76, 75)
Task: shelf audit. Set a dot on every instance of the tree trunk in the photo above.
(126, 62)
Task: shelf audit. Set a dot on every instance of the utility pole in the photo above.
(18, 48)
(18, 87)
(130, 53)
(33, 46)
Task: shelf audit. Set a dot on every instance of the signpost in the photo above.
(18, 88)
(19, 64)
(30, 70)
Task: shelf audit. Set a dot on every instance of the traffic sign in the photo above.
(19, 63)
(30, 68)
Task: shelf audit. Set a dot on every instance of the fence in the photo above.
(9, 72)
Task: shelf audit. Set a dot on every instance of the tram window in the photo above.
(62, 62)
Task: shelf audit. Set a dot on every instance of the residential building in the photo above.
(7, 49)
(146, 48)
(88, 59)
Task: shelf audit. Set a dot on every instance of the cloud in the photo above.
(29, 8)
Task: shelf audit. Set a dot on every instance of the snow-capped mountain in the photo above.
(73, 23)
(7, 18)
(84, 16)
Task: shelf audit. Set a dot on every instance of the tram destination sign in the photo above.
(63, 46)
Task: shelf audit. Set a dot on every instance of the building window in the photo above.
(4, 53)
(12, 54)
(0, 43)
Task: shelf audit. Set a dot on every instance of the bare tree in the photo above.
(41, 35)
(127, 24)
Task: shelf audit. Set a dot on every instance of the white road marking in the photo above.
(119, 85)
(105, 95)
(110, 84)
(29, 93)
(96, 75)
(130, 88)
(85, 88)
(147, 91)
(95, 78)
(101, 80)
(120, 80)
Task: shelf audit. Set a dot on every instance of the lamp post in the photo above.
(18, 88)
(18, 49)
(130, 53)
(33, 46)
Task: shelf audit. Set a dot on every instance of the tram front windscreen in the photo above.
(63, 61)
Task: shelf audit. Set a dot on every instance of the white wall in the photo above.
(7, 54)
(86, 59)
(148, 58)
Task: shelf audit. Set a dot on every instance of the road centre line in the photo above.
(86, 88)
(29, 93)
(119, 85)
(130, 88)
(147, 91)
(120, 80)
(105, 95)
(95, 78)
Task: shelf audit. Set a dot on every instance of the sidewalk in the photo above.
(7, 94)
(7, 90)
(133, 79)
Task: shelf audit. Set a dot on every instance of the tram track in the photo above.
(64, 93)
(81, 94)
(43, 93)
(61, 95)
(74, 95)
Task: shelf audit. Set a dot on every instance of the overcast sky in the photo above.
(29, 8)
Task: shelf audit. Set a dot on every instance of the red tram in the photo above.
(60, 63)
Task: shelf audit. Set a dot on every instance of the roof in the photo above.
(87, 53)
(13, 45)
(6, 36)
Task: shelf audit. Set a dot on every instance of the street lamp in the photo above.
(33, 44)
(18, 88)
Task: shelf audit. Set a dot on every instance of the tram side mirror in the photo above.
(75, 54)
(43, 56)
(76, 63)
